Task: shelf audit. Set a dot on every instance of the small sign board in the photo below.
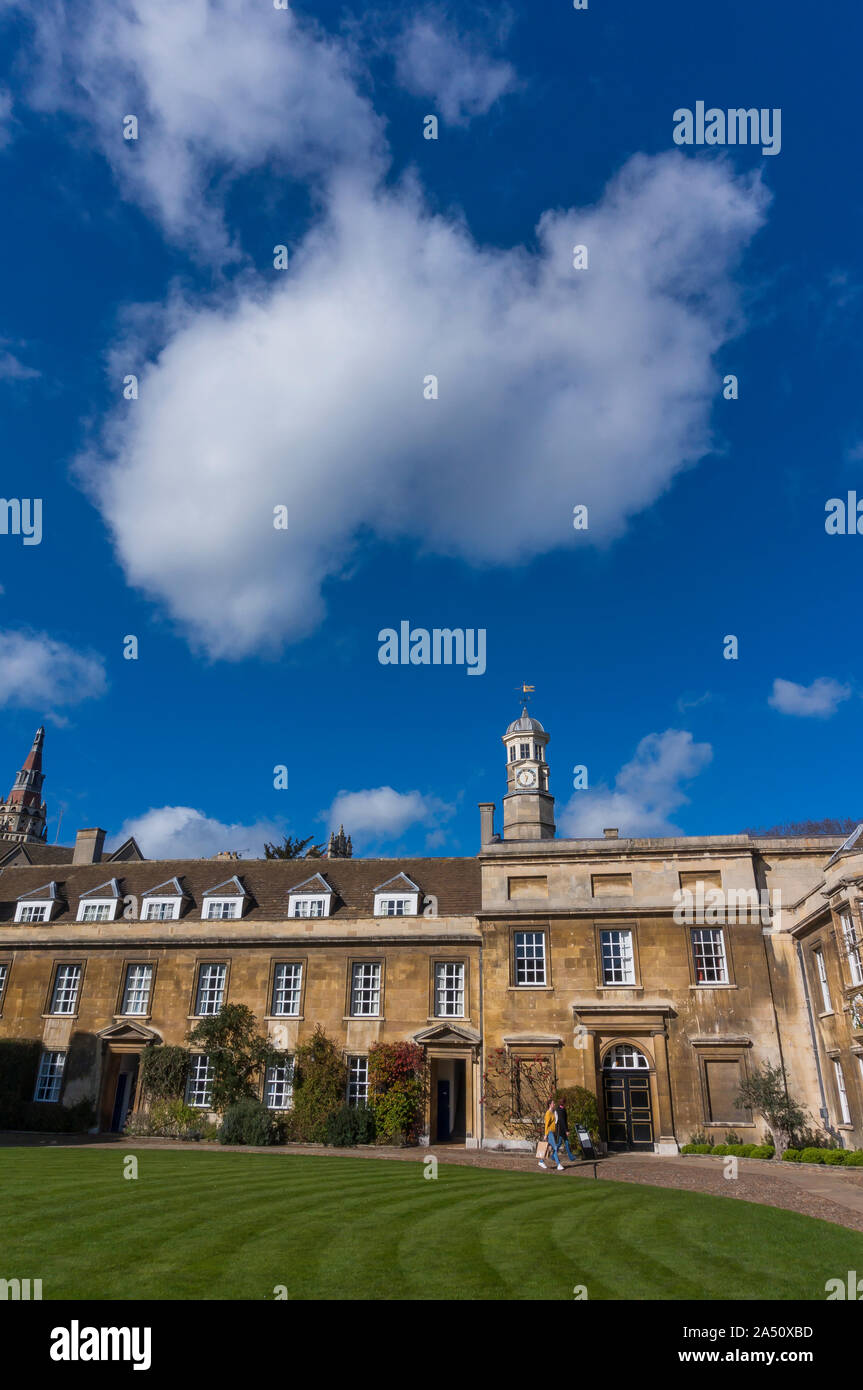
(585, 1141)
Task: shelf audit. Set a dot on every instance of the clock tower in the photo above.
(528, 807)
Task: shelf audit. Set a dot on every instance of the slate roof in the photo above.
(454, 882)
(23, 851)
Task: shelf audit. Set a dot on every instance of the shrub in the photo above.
(720, 1149)
(398, 1089)
(791, 1156)
(581, 1108)
(737, 1149)
(164, 1071)
(169, 1119)
(811, 1155)
(353, 1124)
(687, 1148)
(320, 1081)
(765, 1092)
(748, 1150)
(399, 1112)
(854, 1159)
(247, 1121)
(237, 1051)
(763, 1151)
(834, 1157)
(698, 1148)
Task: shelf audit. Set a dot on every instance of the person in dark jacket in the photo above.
(563, 1128)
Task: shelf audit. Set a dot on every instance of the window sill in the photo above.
(363, 1018)
(826, 1013)
(132, 1018)
(283, 1018)
(69, 1016)
(448, 1018)
(522, 989)
(709, 986)
(635, 989)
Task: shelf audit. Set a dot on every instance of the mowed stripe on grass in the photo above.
(199, 1225)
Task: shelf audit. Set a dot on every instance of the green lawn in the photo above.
(233, 1226)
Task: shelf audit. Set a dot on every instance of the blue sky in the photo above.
(408, 256)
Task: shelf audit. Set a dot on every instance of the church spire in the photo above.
(23, 815)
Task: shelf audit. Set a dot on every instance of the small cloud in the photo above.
(381, 813)
(693, 701)
(646, 790)
(854, 453)
(13, 369)
(433, 60)
(182, 832)
(37, 672)
(819, 700)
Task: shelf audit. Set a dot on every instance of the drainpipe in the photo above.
(825, 1114)
(481, 1043)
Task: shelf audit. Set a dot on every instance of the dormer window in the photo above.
(164, 902)
(311, 898)
(399, 897)
(225, 902)
(38, 906)
(100, 904)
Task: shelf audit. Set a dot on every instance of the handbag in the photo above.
(542, 1149)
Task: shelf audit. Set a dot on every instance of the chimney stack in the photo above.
(486, 822)
(88, 846)
(610, 834)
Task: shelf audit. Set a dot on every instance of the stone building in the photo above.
(655, 972)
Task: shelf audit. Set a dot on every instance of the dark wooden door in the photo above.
(628, 1113)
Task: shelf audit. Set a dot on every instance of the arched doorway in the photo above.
(626, 1088)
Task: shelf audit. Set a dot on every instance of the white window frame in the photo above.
(619, 959)
(366, 980)
(205, 969)
(63, 992)
(715, 961)
(821, 967)
(309, 905)
(279, 1085)
(234, 903)
(529, 961)
(852, 947)
(294, 990)
(199, 1082)
(4, 978)
(396, 904)
(358, 1081)
(841, 1091)
(128, 990)
(449, 988)
(49, 1078)
(26, 911)
(159, 901)
(109, 904)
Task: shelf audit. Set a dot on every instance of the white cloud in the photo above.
(646, 792)
(433, 60)
(380, 813)
(37, 672)
(181, 832)
(819, 700)
(593, 387)
(5, 116)
(12, 368)
(219, 87)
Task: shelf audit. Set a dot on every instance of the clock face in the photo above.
(526, 778)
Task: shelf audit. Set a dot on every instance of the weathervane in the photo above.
(525, 691)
